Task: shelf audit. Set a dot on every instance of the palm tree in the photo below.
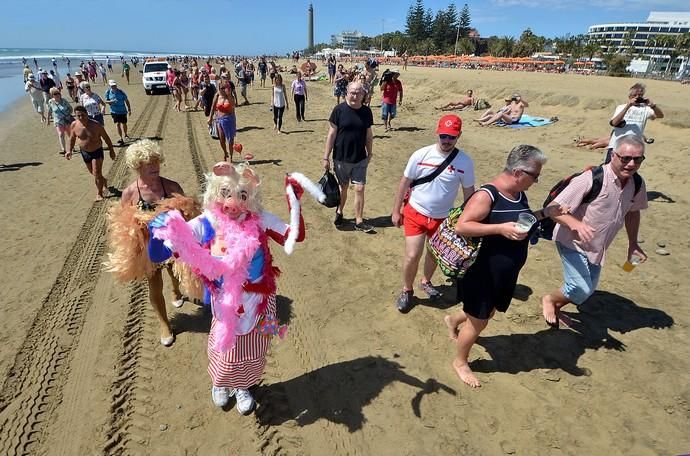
(503, 47)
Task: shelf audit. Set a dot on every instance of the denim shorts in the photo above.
(387, 108)
(580, 277)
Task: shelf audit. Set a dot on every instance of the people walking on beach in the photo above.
(433, 177)
(46, 84)
(340, 84)
(491, 213)
(125, 71)
(109, 63)
(244, 79)
(145, 157)
(33, 88)
(222, 111)
(102, 71)
(279, 102)
(89, 135)
(62, 116)
(207, 92)
(94, 104)
(392, 96)
(71, 86)
(350, 140)
(26, 71)
(299, 95)
(119, 109)
(583, 236)
(331, 64)
(631, 118)
(263, 70)
(177, 91)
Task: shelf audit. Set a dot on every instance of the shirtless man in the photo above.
(466, 101)
(512, 114)
(90, 133)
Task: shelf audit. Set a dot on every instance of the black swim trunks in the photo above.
(88, 157)
(119, 118)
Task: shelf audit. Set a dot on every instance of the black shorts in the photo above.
(119, 118)
(88, 157)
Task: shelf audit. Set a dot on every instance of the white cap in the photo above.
(112, 82)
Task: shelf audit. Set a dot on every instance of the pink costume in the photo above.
(227, 248)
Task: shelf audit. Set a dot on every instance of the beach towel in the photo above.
(529, 121)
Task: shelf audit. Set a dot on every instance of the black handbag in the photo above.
(329, 186)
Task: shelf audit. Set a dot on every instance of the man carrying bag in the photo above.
(432, 177)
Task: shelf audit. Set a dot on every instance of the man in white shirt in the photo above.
(33, 88)
(631, 118)
(429, 202)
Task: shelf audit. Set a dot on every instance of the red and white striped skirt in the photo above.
(242, 366)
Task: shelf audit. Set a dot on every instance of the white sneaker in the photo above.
(245, 401)
(220, 395)
(177, 303)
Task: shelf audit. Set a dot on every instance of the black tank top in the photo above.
(144, 205)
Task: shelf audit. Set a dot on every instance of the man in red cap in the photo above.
(432, 179)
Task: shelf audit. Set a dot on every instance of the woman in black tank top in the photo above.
(489, 284)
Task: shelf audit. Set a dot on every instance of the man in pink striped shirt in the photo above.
(583, 235)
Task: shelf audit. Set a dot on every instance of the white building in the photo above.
(347, 39)
(640, 38)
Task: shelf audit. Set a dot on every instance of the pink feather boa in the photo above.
(242, 241)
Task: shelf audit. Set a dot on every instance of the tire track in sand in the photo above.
(32, 388)
(129, 427)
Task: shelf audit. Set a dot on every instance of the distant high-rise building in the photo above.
(310, 27)
(644, 39)
(347, 39)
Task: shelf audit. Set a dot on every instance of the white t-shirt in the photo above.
(434, 199)
(635, 121)
(34, 91)
(91, 103)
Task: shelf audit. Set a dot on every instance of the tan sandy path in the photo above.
(351, 377)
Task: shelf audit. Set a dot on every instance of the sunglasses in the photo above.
(626, 159)
(531, 174)
(447, 137)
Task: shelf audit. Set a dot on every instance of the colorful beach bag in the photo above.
(453, 253)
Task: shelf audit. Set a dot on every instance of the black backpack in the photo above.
(547, 224)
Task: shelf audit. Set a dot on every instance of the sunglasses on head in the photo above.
(625, 159)
(447, 137)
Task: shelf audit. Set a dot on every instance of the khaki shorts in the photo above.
(351, 173)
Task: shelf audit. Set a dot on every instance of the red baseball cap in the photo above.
(449, 125)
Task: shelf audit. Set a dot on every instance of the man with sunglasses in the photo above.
(431, 196)
(583, 235)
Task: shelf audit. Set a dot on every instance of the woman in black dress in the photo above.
(492, 213)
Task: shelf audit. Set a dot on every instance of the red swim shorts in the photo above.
(415, 223)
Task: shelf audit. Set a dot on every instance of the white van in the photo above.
(153, 76)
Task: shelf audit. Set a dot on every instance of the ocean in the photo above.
(11, 65)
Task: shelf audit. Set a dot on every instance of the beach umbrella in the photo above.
(308, 67)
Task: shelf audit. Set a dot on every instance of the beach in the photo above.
(82, 370)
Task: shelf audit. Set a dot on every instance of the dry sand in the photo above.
(83, 373)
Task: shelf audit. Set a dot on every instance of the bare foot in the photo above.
(466, 374)
(452, 329)
(99, 198)
(550, 312)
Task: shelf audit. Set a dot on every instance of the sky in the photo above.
(271, 26)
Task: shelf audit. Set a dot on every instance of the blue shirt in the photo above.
(118, 106)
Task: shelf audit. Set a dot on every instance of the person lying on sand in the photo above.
(512, 116)
(488, 114)
(593, 143)
(466, 101)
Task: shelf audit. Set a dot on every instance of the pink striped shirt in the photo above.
(605, 215)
